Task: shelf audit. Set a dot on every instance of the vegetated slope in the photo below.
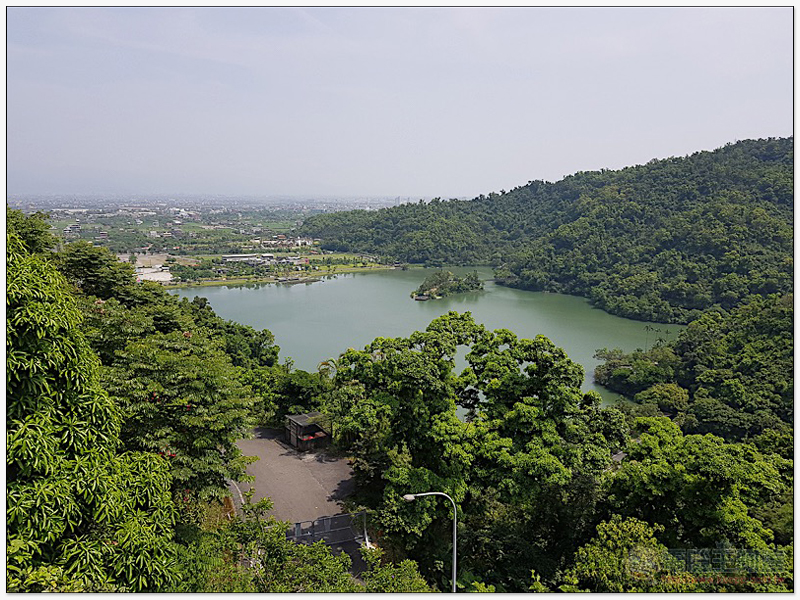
(662, 241)
(729, 372)
(96, 501)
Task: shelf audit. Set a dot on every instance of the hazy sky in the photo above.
(444, 102)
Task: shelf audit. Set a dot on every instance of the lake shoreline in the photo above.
(314, 322)
(262, 280)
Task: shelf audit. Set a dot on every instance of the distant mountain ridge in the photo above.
(663, 241)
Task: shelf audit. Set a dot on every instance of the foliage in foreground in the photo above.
(541, 504)
(531, 468)
(252, 554)
(183, 402)
(626, 556)
(534, 441)
(84, 514)
(81, 513)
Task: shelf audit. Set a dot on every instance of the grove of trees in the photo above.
(443, 283)
(728, 373)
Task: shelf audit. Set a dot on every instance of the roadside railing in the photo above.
(333, 530)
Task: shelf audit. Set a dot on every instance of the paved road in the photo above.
(302, 486)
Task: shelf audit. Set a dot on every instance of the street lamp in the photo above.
(412, 497)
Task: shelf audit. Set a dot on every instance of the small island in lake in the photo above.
(444, 283)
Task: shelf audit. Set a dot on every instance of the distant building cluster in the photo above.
(129, 226)
(173, 233)
(281, 241)
(265, 259)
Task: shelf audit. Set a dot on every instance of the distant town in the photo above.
(203, 240)
(54, 202)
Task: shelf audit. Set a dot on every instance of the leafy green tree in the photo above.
(33, 230)
(444, 283)
(383, 577)
(96, 271)
(182, 400)
(296, 392)
(668, 396)
(252, 554)
(541, 453)
(624, 556)
(634, 373)
(736, 367)
(245, 346)
(701, 489)
(80, 515)
(744, 360)
(109, 326)
(778, 441)
(533, 439)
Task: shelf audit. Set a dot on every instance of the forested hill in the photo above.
(662, 241)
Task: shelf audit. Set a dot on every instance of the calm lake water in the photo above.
(315, 321)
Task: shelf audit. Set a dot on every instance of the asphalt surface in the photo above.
(303, 486)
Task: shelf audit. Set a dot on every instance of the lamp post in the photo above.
(412, 497)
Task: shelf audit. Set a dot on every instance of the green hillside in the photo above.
(662, 241)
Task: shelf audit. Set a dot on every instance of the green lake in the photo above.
(315, 321)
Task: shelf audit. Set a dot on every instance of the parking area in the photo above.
(303, 486)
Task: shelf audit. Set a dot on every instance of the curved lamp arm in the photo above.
(412, 497)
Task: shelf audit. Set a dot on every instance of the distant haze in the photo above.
(450, 102)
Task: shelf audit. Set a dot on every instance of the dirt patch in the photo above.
(150, 260)
(228, 508)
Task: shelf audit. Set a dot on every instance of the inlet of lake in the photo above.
(316, 321)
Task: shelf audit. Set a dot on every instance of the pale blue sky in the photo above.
(447, 102)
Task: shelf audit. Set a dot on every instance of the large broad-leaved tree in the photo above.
(524, 464)
(182, 400)
(82, 514)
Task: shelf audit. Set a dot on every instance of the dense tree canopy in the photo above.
(531, 466)
(264, 560)
(701, 489)
(532, 438)
(107, 492)
(32, 230)
(443, 283)
(729, 372)
(182, 400)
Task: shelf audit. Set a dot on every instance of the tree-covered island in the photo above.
(444, 283)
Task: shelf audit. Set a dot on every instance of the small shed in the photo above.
(305, 431)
